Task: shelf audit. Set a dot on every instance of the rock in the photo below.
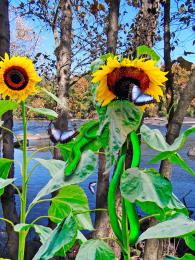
(191, 152)
(20, 142)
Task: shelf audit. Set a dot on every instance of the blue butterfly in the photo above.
(63, 137)
(139, 98)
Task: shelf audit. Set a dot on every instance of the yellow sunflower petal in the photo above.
(157, 78)
(17, 77)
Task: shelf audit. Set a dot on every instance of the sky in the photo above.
(46, 44)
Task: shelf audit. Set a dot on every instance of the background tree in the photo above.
(8, 199)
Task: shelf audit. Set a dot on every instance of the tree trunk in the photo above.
(167, 59)
(145, 35)
(174, 124)
(63, 57)
(113, 26)
(102, 224)
(148, 15)
(63, 51)
(8, 199)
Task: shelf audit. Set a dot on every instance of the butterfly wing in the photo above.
(144, 99)
(66, 135)
(56, 134)
(92, 186)
(136, 92)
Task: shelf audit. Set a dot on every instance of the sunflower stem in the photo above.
(22, 233)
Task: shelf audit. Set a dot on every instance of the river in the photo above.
(183, 183)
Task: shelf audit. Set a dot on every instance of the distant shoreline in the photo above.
(151, 121)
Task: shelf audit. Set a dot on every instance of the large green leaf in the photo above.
(145, 50)
(54, 167)
(174, 206)
(155, 140)
(64, 235)
(85, 168)
(190, 241)
(43, 232)
(174, 158)
(178, 226)
(122, 117)
(177, 159)
(51, 114)
(95, 249)
(6, 105)
(71, 198)
(145, 186)
(161, 156)
(56, 170)
(5, 165)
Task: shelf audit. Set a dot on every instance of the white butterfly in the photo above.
(139, 98)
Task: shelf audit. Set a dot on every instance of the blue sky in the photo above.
(46, 43)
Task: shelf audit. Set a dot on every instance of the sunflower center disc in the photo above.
(16, 78)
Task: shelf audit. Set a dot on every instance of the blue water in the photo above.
(183, 183)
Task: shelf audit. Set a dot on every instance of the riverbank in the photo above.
(75, 123)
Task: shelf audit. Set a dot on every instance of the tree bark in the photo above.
(113, 26)
(148, 15)
(8, 199)
(63, 51)
(174, 124)
(145, 35)
(167, 59)
(63, 57)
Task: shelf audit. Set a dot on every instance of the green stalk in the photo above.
(125, 232)
(22, 233)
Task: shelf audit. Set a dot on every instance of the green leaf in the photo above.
(22, 227)
(4, 183)
(64, 235)
(43, 232)
(177, 159)
(185, 257)
(81, 238)
(155, 140)
(145, 186)
(181, 140)
(5, 165)
(71, 198)
(86, 167)
(122, 117)
(173, 206)
(58, 101)
(54, 167)
(56, 170)
(51, 114)
(190, 241)
(95, 249)
(161, 156)
(6, 105)
(145, 50)
(176, 227)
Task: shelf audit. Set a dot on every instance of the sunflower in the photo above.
(17, 78)
(137, 80)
